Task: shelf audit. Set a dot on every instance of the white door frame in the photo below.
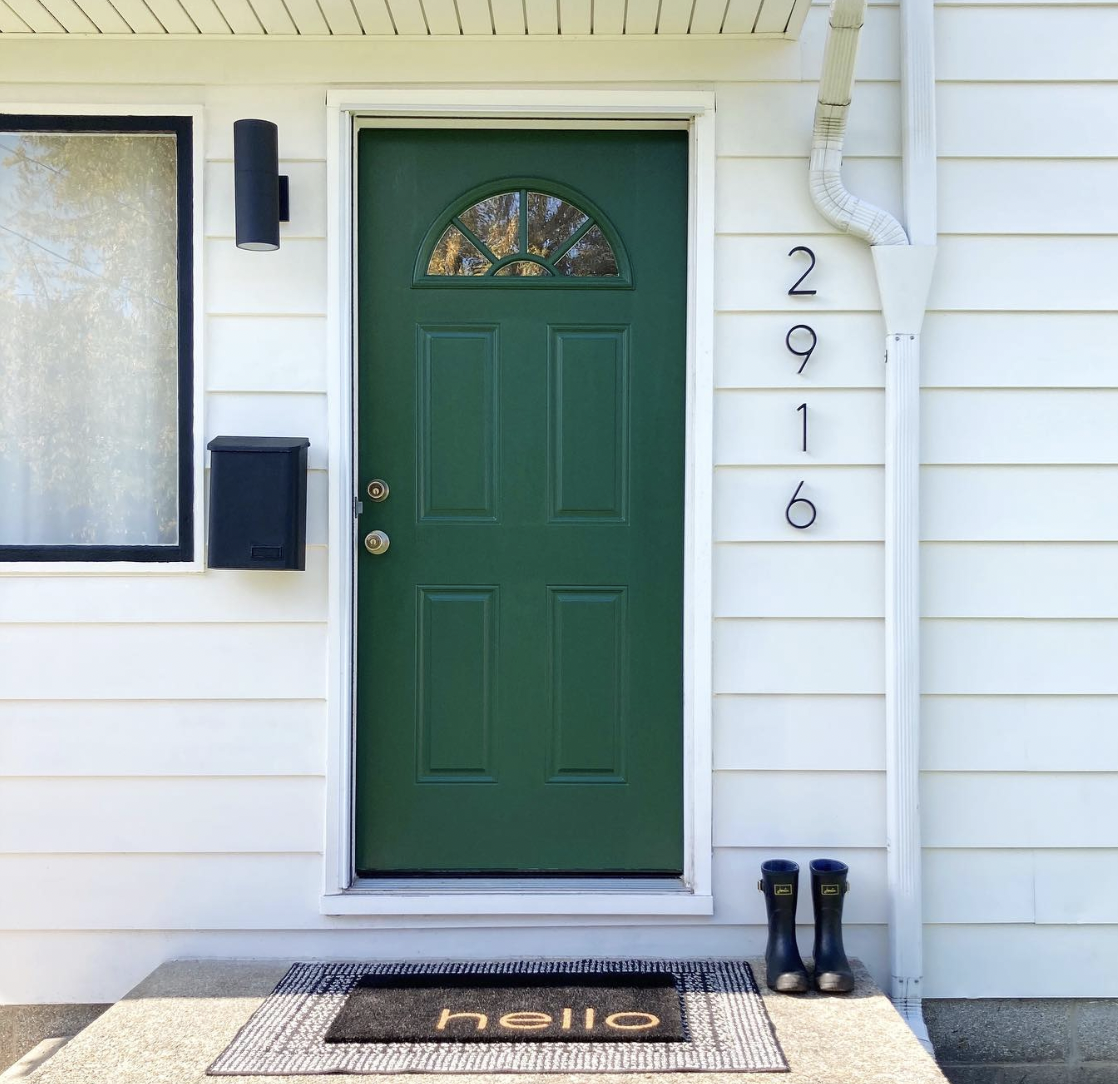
(691, 894)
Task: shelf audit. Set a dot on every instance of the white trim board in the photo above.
(577, 899)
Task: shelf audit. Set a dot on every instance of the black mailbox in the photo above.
(258, 502)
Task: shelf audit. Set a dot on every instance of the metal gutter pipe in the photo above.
(904, 272)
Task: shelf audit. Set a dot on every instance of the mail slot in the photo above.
(258, 502)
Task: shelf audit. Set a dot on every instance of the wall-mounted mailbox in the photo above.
(258, 502)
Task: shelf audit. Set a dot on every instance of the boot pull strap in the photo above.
(760, 886)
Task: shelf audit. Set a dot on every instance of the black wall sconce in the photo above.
(261, 193)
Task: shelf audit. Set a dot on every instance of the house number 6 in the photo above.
(808, 509)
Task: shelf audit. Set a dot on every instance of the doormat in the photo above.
(540, 1007)
(577, 1016)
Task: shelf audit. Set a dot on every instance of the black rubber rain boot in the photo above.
(828, 889)
(780, 882)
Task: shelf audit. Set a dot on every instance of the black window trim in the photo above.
(182, 128)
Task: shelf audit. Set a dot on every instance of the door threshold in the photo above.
(636, 896)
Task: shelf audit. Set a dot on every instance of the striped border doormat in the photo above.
(726, 1025)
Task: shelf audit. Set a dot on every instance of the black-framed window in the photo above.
(96, 338)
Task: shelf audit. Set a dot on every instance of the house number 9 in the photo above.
(801, 513)
(805, 354)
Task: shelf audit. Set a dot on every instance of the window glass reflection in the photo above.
(551, 221)
(496, 223)
(89, 451)
(591, 254)
(487, 238)
(455, 255)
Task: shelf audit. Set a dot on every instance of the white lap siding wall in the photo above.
(1020, 558)
(162, 737)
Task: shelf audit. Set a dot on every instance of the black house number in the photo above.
(801, 518)
(806, 353)
(794, 290)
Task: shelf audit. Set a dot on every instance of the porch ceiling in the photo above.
(402, 18)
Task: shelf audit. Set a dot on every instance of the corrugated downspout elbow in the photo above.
(834, 202)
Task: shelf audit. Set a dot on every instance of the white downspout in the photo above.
(903, 264)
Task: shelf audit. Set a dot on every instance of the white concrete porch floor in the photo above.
(172, 1026)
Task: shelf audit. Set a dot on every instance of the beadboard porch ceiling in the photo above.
(403, 18)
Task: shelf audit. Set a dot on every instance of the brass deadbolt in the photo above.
(377, 490)
(376, 542)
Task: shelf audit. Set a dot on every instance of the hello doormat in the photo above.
(540, 1007)
(585, 1016)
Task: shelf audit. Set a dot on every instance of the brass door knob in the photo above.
(376, 542)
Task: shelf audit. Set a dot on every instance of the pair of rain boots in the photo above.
(780, 882)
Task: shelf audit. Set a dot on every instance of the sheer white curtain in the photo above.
(88, 339)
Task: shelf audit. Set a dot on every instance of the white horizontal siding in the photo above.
(1019, 733)
(1018, 503)
(162, 662)
(295, 347)
(160, 815)
(782, 656)
(779, 810)
(1023, 657)
(799, 733)
(1020, 960)
(1026, 350)
(771, 579)
(985, 579)
(1018, 747)
(1027, 196)
(1052, 887)
(1027, 120)
(111, 738)
(290, 280)
(1019, 426)
(1004, 809)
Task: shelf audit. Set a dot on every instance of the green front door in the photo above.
(521, 384)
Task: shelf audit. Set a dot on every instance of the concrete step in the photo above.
(173, 1025)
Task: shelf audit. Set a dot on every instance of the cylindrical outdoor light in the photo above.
(257, 184)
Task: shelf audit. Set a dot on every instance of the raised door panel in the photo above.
(456, 668)
(457, 432)
(588, 421)
(588, 683)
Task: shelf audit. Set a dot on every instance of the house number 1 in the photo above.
(803, 407)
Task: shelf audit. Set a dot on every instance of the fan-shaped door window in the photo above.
(522, 233)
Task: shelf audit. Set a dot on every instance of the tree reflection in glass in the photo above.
(88, 339)
(554, 238)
